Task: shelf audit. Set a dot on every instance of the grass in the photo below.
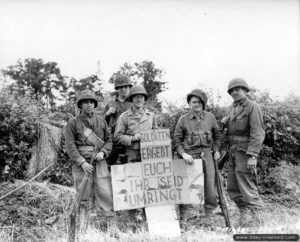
(276, 219)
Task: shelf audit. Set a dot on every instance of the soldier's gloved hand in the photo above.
(87, 168)
(136, 137)
(217, 155)
(188, 158)
(100, 156)
(251, 164)
(110, 111)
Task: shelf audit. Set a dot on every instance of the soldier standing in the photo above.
(196, 136)
(114, 109)
(128, 128)
(246, 135)
(87, 135)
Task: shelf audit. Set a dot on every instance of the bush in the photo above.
(19, 119)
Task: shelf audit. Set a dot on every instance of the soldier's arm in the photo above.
(119, 135)
(179, 137)
(216, 133)
(257, 133)
(107, 147)
(70, 144)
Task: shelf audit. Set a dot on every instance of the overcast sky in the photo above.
(197, 43)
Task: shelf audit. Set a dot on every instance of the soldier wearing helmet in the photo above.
(246, 135)
(196, 135)
(114, 109)
(128, 128)
(87, 135)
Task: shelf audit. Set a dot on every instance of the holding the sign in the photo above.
(128, 133)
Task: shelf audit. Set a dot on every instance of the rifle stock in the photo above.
(79, 196)
(221, 196)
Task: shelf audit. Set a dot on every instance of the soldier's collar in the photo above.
(240, 103)
(84, 115)
(193, 115)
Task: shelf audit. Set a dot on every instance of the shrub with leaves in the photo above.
(19, 117)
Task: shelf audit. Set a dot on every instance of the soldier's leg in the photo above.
(247, 182)
(210, 196)
(103, 188)
(232, 183)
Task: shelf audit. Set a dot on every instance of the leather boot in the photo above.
(183, 217)
(208, 218)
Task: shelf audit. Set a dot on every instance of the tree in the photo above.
(149, 75)
(42, 79)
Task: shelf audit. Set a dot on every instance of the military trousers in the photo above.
(210, 194)
(99, 184)
(241, 183)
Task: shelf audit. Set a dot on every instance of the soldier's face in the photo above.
(238, 93)
(124, 91)
(195, 104)
(87, 106)
(138, 101)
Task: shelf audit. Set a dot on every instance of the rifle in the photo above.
(79, 196)
(221, 193)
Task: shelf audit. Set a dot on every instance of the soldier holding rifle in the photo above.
(86, 136)
(197, 136)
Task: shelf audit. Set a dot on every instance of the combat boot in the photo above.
(208, 218)
(112, 227)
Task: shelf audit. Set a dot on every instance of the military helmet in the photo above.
(137, 90)
(122, 80)
(86, 94)
(238, 82)
(197, 93)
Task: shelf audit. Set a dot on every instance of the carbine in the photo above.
(79, 196)
(221, 192)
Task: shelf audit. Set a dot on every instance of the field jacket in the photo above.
(75, 139)
(120, 107)
(192, 135)
(129, 124)
(245, 127)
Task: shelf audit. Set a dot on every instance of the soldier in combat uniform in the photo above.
(246, 135)
(113, 110)
(87, 135)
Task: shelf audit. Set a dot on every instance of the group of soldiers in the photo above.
(115, 137)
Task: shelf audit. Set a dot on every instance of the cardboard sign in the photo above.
(135, 187)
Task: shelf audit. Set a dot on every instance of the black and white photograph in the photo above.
(148, 120)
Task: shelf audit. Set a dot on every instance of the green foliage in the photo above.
(149, 75)
(18, 131)
(42, 79)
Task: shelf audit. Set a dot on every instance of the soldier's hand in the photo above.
(251, 164)
(87, 168)
(217, 155)
(188, 158)
(100, 156)
(110, 111)
(136, 137)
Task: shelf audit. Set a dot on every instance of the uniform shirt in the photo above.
(130, 123)
(193, 133)
(120, 107)
(246, 121)
(74, 136)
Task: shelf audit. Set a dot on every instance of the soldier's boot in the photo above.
(183, 220)
(208, 218)
(112, 227)
(245, 219)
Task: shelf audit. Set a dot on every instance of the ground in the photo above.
(39, 212)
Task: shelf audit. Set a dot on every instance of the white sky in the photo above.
(197, 43)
